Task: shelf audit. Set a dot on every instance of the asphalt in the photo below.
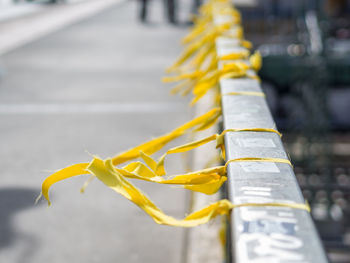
(90, 88)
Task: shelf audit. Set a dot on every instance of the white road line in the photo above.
(96, 108)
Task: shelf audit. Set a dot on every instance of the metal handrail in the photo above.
(261, 234)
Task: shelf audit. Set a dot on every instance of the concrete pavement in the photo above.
(93, 86)
(37, 20)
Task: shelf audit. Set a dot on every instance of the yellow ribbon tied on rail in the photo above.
(200, 82)
(197, 71)
(152, 171)
(106, 173)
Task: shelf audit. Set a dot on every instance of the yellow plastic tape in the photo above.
(251, 130)
(211, 80)
(158, 166)
(200, 123)
(200, 82)
(234, 56)
(257, 159)
(205, 40)
(256, 61)
(205, 52)
(105, 172)
(245, 93)
(208, 180)
(201, 73)
(219, 138)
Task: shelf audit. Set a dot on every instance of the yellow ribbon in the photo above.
(144, 150)
(234, 56)
(245, 93)
(305, 206)
(198, 124)
(206, 181)
(256, 61)
(258, 159)
(209, 180)
(219, 138)
(112, 178)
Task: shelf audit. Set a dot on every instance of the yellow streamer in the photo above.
(246, 93)
(106, 173)
(257, 159)
(256, 61)
(219, 138)
(234, 56)
(199, 53)
(200, 123)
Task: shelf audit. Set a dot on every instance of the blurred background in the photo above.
(84, 75)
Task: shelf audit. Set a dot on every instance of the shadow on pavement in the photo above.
(12, 201)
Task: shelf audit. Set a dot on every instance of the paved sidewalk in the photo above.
(93, 86)
(44, 19)
(14, 10)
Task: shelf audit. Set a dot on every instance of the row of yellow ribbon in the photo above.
(197, 72)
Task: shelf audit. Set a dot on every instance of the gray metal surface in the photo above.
(263, 234)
